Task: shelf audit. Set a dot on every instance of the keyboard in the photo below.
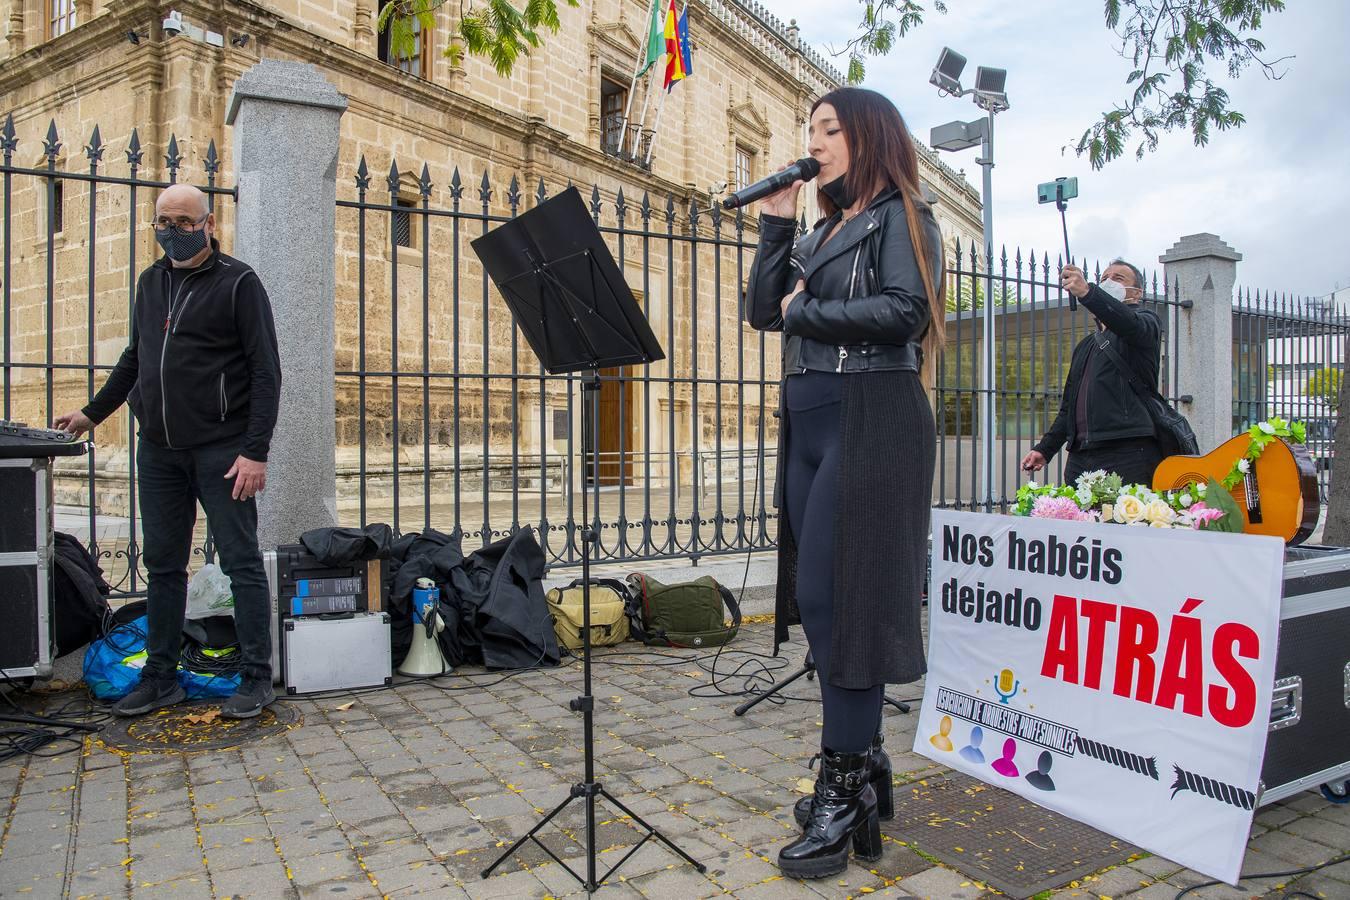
(18, 441)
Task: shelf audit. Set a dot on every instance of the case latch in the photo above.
(1286, 703)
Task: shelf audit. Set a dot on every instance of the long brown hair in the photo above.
(882, 155)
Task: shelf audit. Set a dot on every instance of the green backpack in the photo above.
(692, 614)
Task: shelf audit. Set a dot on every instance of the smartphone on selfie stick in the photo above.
(1060, 192)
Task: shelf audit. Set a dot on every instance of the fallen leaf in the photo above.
(343, 707)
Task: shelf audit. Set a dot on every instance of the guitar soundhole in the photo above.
(1183, 480)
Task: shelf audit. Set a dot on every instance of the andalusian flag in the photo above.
(678, 58)
(656, 39)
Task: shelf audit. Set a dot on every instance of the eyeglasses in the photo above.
(183, 223)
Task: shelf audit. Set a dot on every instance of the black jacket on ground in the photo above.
(1114, 410)
(202, 364)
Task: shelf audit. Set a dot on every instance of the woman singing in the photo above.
(860, 303)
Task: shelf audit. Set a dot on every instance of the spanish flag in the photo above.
(679, 62)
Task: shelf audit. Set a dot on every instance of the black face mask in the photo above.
(838, 192)
(179, 245)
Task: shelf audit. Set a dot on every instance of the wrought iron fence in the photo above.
(690, 471)
(500, 434)
(1289, 361)
(445, 421)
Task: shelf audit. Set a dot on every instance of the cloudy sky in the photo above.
(1276, 189)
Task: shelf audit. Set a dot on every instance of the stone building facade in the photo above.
(111, 64)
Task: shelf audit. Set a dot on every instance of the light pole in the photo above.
(990, 95)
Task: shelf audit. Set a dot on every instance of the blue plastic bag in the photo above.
(113, 664)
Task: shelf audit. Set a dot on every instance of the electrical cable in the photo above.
(1303, 871)
(42, 735)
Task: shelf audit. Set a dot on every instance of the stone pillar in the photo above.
(286, 128)
(1201, 268)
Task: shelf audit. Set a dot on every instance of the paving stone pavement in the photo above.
(413, 790)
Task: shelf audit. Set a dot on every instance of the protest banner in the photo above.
(1118, 675)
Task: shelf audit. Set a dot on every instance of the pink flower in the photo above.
(1200, 514)
(1058, 508)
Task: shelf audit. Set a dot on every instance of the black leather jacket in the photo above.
(864, 307)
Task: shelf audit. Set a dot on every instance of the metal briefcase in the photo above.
(322, 654)
(25, 567)
(1309, 742)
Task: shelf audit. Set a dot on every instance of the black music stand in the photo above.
(577, 313)
(809, 670)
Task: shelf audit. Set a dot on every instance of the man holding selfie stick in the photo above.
(1102, 421)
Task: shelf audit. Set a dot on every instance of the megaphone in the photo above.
(424, 656)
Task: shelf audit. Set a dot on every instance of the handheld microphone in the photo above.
(802, 170)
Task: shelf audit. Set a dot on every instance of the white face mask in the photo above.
(1114, 288)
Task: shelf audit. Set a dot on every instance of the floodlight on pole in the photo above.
(990, 94)
(947, 73)
(990, 89)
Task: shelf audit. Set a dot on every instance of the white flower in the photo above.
(1201, 488)
(1159, 513)
(1159, 525)
(1031, 483)
(1084, 496)
(1128, 510)
(1267, 427)
(1244, 466)
(1187, 499)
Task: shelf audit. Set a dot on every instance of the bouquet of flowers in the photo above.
(1101, 497)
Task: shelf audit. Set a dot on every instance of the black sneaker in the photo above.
(249, 700)
(151, 693)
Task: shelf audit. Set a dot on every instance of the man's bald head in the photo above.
(181, 200)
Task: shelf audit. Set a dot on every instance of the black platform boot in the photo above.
(879, 774)
(843, 809)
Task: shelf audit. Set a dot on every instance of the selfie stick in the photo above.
(1061, 204)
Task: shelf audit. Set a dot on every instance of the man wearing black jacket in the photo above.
(1102, 420)
(202, 377)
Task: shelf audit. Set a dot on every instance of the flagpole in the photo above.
(647, 100)
(637, 73)
(662, 102)
(656, 124)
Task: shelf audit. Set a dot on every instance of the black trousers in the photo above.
(1133, 459)
(171, 482)
(812, 400)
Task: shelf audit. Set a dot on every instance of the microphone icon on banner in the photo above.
(1006, 687)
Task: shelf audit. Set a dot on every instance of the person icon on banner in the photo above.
(1040, 778)
(971, 752)
(942, 739)
(1004, 765)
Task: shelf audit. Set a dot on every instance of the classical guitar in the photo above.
(1278, 496)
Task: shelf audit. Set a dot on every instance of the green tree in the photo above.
(967, 293)
(1325, 384)
(1170, 43)
(493, 29)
